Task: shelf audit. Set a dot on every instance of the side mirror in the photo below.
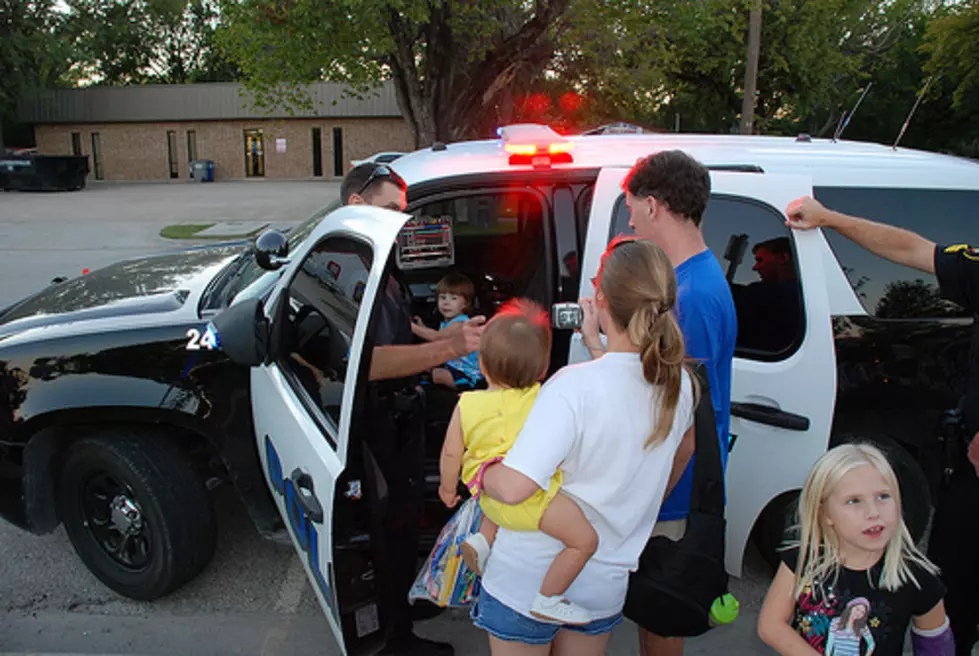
(271, 250)
(242, 332)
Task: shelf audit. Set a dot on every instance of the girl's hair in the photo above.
(637, 279)
(515, 348)
(819, 546)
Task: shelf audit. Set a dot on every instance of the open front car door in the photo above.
(308, 402)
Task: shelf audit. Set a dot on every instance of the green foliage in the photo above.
(141, 41)
(454, 63)
(35, 51)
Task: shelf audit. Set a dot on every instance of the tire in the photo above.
(774, 526)
(776, 521)
(162, 533)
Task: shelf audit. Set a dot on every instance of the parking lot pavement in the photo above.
(253, 598)
(44, 235)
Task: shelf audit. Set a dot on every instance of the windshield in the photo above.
(244, 278)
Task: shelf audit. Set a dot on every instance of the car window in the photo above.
(888, 290)
(254, 281)
(498, 240)
(318, 323)
(757, 254)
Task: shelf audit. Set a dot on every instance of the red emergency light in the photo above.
(536, 145)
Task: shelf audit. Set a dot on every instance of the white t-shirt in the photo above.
(591, 420)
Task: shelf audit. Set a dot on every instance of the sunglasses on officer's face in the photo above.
(382, 172)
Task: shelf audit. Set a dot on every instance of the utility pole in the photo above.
(751, 69)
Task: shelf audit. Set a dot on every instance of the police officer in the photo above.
(396, 436)
(954, 542)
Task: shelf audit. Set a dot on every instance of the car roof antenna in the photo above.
(842, 125)
(913, 109)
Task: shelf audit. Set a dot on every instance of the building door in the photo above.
(76, 144)
(254, 154)
(172, 154)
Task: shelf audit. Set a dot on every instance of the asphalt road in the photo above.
(253, 598)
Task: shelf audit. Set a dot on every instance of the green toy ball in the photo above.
(724, 610)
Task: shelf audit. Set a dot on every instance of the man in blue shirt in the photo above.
(667, 194)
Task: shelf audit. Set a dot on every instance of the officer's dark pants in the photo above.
(954, 547)
(398, 445)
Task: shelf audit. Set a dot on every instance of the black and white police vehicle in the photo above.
(125, 391)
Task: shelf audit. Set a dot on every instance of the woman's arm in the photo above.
(450, 462)
(773, 621)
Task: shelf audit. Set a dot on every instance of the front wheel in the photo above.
(137, 514)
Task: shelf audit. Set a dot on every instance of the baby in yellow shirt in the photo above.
(514, 353)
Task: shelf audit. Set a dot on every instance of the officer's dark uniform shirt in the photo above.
(957, 268)
(394, 322)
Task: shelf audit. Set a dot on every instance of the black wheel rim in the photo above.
(115, 520)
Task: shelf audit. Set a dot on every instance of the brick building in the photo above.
(153, 132)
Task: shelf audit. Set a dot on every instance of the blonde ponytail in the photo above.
(638, 280)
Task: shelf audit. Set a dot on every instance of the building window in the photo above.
(172, 154)
(191, 145)
(338, 152)
(97, 156)
(317, 153)
(76, 143)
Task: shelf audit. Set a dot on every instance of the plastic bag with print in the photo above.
(445, 580)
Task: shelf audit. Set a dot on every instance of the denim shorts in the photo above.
(505, 623)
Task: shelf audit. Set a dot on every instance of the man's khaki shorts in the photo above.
(672, 528)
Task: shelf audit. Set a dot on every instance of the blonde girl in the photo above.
(856, 580)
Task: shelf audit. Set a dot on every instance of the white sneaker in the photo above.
(475, 552)
(559, 610)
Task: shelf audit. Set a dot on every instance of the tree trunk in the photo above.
(751, 69)
(451, 99)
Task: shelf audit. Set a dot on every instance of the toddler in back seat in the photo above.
(454, 294)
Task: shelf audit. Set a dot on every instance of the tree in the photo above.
(952, 43)
(34, 53)
(453, 63)
(140, 41)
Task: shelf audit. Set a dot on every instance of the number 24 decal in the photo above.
(198, 341)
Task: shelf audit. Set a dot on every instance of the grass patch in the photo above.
(183, 230)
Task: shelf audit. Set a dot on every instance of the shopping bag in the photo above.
(445, 580)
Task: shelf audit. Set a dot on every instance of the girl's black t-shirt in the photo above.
(850, 614)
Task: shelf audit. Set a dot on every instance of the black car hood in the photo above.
(158, 283)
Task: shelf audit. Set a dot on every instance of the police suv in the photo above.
(126, 392)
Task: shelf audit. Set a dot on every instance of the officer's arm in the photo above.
(895, 244)
(407, 360)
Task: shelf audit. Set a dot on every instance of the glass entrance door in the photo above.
(254, 154)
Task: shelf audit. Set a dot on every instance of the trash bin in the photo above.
(202, 170)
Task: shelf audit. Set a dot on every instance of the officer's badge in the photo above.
(966, 250)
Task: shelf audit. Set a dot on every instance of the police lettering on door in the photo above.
(303, 528)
